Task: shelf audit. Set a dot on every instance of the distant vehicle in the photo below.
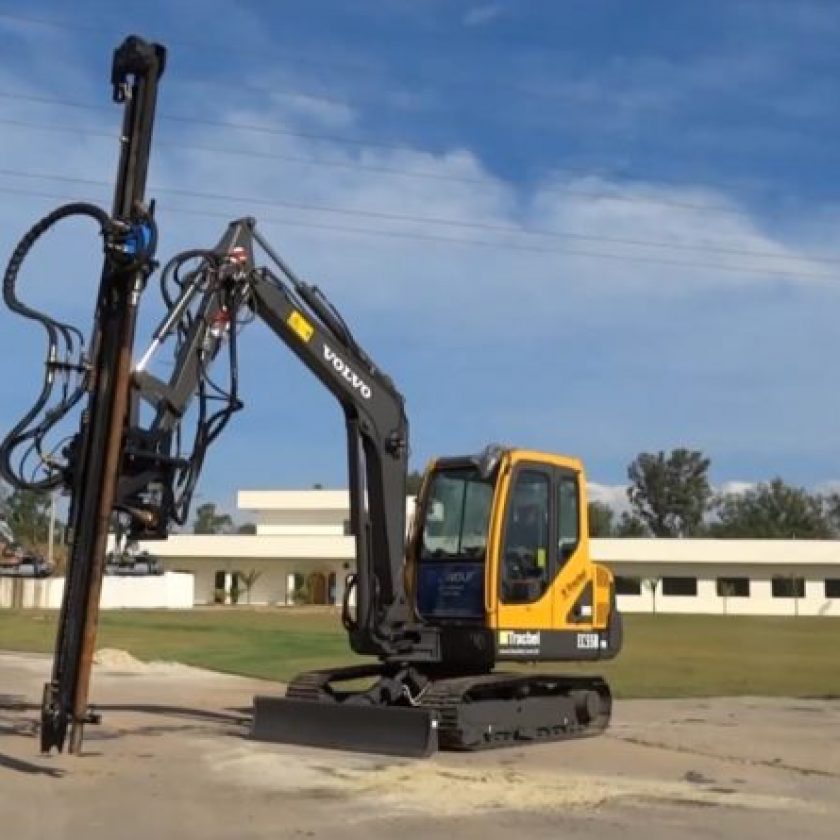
(132, 564)
(15, 561)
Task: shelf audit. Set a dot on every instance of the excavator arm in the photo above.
(224, 291)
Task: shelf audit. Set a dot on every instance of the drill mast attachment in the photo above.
(99, 377)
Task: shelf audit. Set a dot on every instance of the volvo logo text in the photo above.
(344, 370)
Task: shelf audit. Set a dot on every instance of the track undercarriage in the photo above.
(405, 712)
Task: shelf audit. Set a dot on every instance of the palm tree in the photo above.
(651, 584)
(248, 579)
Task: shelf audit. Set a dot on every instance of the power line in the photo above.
(328, 138)
(499, 246)
(270, 130)
(299, 57)
(603, 195)
(319, 63)
(359, 166)
(305, 57)
(248, 153)
(446, 222)
(338, 140)
(362, 144)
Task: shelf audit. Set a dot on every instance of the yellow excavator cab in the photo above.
(501, 540)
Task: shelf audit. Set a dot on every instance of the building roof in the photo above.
(273, 547)
(613, 552)
(750, 552)
(325, 500)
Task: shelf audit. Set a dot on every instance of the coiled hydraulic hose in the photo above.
(128, 247)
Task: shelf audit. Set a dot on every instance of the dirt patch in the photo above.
(118, 660)
(451, 790)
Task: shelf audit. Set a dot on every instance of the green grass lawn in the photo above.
(663, 656)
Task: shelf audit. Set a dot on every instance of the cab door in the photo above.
(572, 588)
(525, 547)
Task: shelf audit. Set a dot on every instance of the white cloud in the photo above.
(735, 487)
(828, 487)
(482, 15)
(614, 495)
(318, 110)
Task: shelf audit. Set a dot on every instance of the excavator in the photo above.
(494, 569)
(16, 561)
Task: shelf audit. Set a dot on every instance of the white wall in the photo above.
(759, 602)
(269, 588)
(167, 591)
(296, 522)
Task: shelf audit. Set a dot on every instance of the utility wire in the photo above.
(446, 222)
(297, 57)
(499, 246)
(605, 195)
(330, 138)
(270, 130)
(320, 62)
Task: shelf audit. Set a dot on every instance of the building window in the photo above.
(628, 585)
(733, 587)
(347, 531)
(788, 587)
(832, 587)
(679, 586)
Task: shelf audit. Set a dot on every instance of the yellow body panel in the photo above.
(551, 611)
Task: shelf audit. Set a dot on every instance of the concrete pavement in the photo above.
(170, 760)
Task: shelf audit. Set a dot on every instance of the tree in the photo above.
(652, 584)
(207, 521)
(670, 493)
(247, 528)
(727, 590)
(831, 511)
(248, 579)
(28, 515)
(771, 511)
(413, 481)
(601, 517)
(629, 525)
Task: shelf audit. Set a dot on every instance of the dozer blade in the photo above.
(385, 730)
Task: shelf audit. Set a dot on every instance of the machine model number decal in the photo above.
(588, 641)
(343, 369)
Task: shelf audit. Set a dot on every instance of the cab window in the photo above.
(568, 526)
(525, 556)
(457, 516)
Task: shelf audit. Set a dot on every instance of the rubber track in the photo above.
(315, 685)
(451, 699)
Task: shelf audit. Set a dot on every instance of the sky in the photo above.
(595, 228)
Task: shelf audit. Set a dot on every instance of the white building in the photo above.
(302, 552)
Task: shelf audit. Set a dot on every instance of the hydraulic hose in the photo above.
(129, 245)
(22, 251)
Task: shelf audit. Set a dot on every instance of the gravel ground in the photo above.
(170, 760)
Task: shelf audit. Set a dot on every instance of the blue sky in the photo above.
(640, 208)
